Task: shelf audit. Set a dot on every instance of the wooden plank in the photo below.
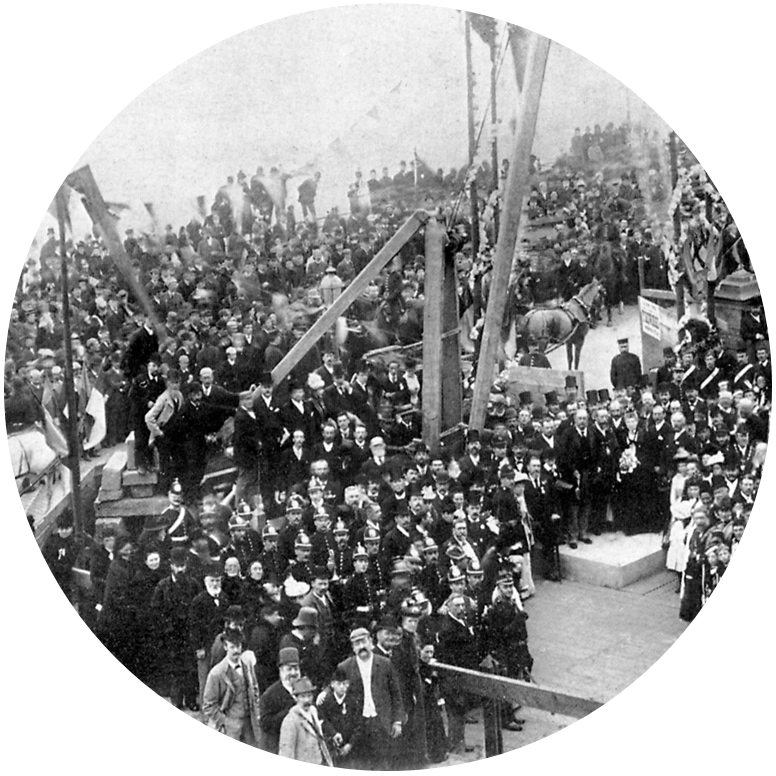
(532, 695)
(659, 293)
(432, 334)
(349, 295)
(516, 186)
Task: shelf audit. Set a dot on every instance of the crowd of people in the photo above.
(306, 617)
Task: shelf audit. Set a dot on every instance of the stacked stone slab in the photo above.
(127, 495)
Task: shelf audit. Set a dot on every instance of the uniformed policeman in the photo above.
(506, 637)
(625, 370)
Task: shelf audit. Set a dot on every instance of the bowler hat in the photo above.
(307, 618)
(288, 656)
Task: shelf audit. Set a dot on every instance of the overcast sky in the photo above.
(282, 92)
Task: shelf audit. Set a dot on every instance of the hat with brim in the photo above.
(307, 618)
(359, 633)
(288, 656)
(303, 685)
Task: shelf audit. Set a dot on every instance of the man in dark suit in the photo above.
(626, 367)
(458, 647)
(376, 693)
(142, 344)
(271, 438)
(277, 700)
(575, 464)
(219, 403)
(247, 449)
(543, 504)
(296, 414)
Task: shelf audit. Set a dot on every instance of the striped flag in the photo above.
(55, 439)
(94, 414)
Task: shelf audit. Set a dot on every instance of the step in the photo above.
(113, 470)
(613, 560)
(134, 477)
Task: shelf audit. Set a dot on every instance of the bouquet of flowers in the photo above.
(629, 461)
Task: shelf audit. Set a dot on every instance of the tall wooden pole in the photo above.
(72, 410)
(674, 160)
(475, 218)
(516, 186)
(494, 129)
(433, 326)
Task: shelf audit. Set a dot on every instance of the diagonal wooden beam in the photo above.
(516, 186)
(349, 295)
(532, 695)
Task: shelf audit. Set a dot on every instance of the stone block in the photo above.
(613, 560)
(141, 491)
(110, 495)
(131, 507)
(131, 451)
(113, 470)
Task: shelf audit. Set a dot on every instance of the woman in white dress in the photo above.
(681, 512)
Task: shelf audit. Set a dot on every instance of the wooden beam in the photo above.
(432, 334)
(516, 186)
(450, 379)
(82, 180)
(349, 295)
(511, 690)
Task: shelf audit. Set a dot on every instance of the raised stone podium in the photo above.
(613, 560)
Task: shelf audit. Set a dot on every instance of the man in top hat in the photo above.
(376, 693)
(625, 370)
(231, 696)
(571, 387)
(60, 551)
(278, 699)
(551, 403)
(472, 462)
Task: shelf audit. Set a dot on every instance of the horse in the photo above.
(566, 324)
(30, 456)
